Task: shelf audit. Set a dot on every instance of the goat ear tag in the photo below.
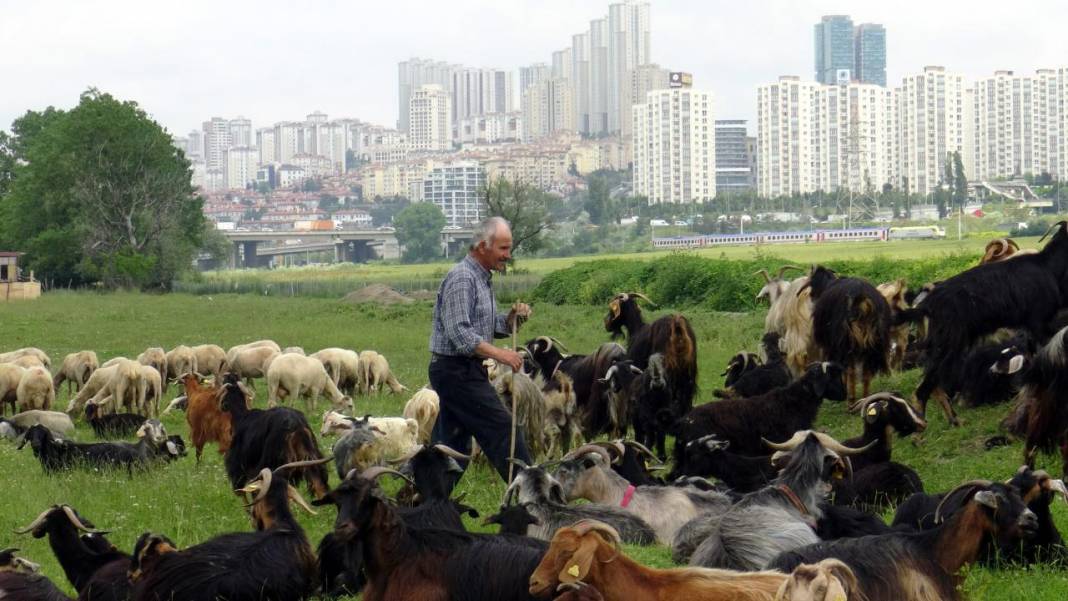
(574, 570)
(872, 411)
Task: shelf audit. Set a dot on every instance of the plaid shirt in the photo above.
(466, 311)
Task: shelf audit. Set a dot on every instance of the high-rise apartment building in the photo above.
(628, 48)
(288, 139)
(561, 66)
(455, 187)
(241, 164)
(415, 72)
(547, 108)
(869, 53)
(241, 132)
(532, 74)
(643, 79)
(675, 146)
(733, 165)
(216, 141)
(786, 135)
(265, 142)
(834, 49)
(430, 119)
(934, 122)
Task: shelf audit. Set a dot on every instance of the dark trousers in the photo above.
(470, 407)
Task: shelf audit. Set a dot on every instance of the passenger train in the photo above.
(876, 234)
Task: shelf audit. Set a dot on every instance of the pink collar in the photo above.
(627, 496)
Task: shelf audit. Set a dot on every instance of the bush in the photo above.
(686, 280)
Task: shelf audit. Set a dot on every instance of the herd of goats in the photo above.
(759, 505)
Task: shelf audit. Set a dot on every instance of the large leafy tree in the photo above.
(526, 209)
(418, 228)
(99, 193)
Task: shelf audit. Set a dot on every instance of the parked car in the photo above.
(658, 222)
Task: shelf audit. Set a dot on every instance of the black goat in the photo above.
(671, 336)
(55, 454)
(1041, 412)
(410, 563)
(586, 372)
(622, 384)
(269, 438)
(93, 566)
(710, 456)
(515, 520)
(115, 425)
(741, 363)
(923, 566)
(274, 563)
(775, 415)
(1024, 293)
(20, 581)
(850, 325)
(757, 378)
(992, 373)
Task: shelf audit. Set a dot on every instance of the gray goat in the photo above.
(587, 474)
(543, 498)
(781, 516)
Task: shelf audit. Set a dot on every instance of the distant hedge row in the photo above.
(686, 280)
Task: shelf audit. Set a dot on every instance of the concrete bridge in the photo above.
(257, 248)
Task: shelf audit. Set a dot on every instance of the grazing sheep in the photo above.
(296, 350)
(251, 362)
(292, 375)
(374, 372)
(181, 360)
(156, 357)
(10, 376)
(153, 382)
(423, 408)
(97, 381)
(211, 359)
(343, 365)
(28, 361)
(126, 385)
(35, 390)
(75, 370)
(10, 357)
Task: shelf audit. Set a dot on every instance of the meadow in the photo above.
(190, 503)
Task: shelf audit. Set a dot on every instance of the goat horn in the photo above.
(586, 526)
(265, 478)
(451, 452)
(590, 448)
(1051, 228)
(644, 450)
(67, 509)
(789, 445)
(1012, 243)
(294, 496)
(643, 297)
(36, 522)
(518, 462)
(878, 396)
(548, 343)
(1059, 487)
(305, 463)
(613, 445)
(841, 449)
(967, 485)
(558, 343)
(767, 276)
(372, 473)
(783, 269)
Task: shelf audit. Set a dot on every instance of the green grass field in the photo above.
(191, 504)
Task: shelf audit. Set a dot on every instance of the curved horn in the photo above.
(967, 485)
(451, 452)
(789, 444)
(558, 343)
(373, 473)
(586, 526)
(764, 272)
(73, 517)
(1061, 224)
(642, 449)
(1012, 243)
(831, 444)
(518, 463)
(643, 297)
(862, 403)
(265, 478)
(590, 448)
(783, 269)
(548, 343)
(294, 496)
(36, 522)
(305, 463)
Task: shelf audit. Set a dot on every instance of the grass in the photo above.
(192, 504)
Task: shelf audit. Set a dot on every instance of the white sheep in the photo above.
(180, 360)
(10, 357)
(153, 383)
(234, 350)
(35, 390)
(395, 436)
(374, 372)
(125, 384)
(211, 359)
(297, 350)
(97, 381)
(292, 375)
(75, 370)
(343, 365)
(28, 361)
(10, 376)
(157, 358)
(249, 363)
(59, 423)
(423, 407)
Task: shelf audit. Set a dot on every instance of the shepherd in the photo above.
(465, 323)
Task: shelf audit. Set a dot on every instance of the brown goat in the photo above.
(589, 552)
(207, 422)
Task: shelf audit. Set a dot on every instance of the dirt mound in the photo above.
(379, 294)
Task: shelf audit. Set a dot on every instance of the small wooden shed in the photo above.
(12, 285)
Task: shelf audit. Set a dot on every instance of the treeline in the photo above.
(686, 280)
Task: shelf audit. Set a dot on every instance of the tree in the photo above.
(384, 211)
(960, 181)
(263, 187)
(328, 203)
(418, 228)
(101, 194)
(525, 207)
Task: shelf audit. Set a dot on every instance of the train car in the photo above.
(802, 237)
(917, 232)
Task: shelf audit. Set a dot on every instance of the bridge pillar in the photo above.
(361, 252)
(235, 256)
(249, 251)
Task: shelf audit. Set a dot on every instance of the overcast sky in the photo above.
(270, 60)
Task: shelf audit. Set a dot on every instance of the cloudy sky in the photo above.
(272, 60)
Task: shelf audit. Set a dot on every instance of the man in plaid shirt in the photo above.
(465, 323)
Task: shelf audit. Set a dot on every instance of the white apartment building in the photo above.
(241, 132)
(547, 108)
(675, 146)
(542, 169)
(241, 164)
(478, 92)
(456, 187)
(216, 141)
(490, 128)
(416, 72)
(430, 120)
(934, 122)
(265, 142)
(288, 140)
(642, 80)
(856, 145)
(786, 137)
(628, 49)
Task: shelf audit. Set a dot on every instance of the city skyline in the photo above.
(173, 65)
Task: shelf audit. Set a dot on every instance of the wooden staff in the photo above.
(515, 346)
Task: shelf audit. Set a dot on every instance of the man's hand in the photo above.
(510, 358)
(518, 315)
